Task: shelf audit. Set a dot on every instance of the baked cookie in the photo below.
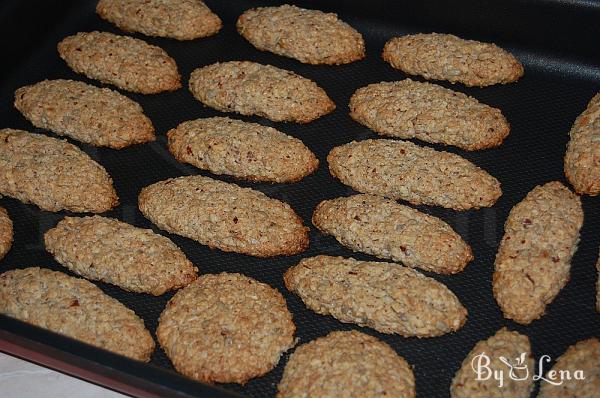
(582, 160)
(6, 233)
(388, 230)
(447, 57)
(76, 308)
(505, 346)
(224, 216)
(419, 175)
(351, 364)
(428, 112)
(96, 116)
(52, 174)
(583, 356)
(264, 90)
(128, 63)
(534, 258)
(384, 296)
(225, 328)
(176, 19)
(244, 150)
(310, 36)
(135, 259)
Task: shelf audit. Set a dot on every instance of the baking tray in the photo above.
(556, 41)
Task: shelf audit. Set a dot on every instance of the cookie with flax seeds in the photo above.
(96, 116)
(250, 88)
(128, 63)
(310, 36)
(75, 308)
(6, 233)
(135, 259)
(52, 174)
(244, 150)
(224, 216)
(447, 57)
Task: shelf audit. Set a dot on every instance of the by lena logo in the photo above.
(518, 370)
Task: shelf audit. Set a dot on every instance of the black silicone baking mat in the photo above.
(556, 41)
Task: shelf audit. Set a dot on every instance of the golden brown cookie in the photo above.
(6, 233)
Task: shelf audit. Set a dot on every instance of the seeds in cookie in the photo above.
(310, 36)
(447, 57)
(385, 296)
(52, 174)
(128, 63)
(176, 19)
(224, 216)
(264, 90)
(419, 175)
(225, 328)
(386, 229)
(534, 258)
(511, 346)
(6, 233)
(76, 308)
(96, 116)
(346, 364)
(244, 150)
(582, 160)
(135, 259)
(428, 112)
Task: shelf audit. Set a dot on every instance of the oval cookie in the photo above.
(583, 357)
(76, 308)
(428, 112)
(511, 346)
(128, 63)
(135, 259)
(419, 175)
(264, 90)
(96, 116)
(244, 150)
(176, 19)
(310, 36)
(534, 258)
(6, 233)
(384, 296)
(582, 160)
(52, 174)
(224, 216)
(447, 57)
(386, 229)
(351, 364)
(225, 328)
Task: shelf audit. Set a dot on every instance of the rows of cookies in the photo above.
(206, 328)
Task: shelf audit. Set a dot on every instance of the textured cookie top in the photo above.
(76, 308)
(428, 112)
(244, 150)
(93, 115)
(346, 364)
(585, 356)
(226, 328)
(385, 296)
(6, 233)
(389, 230)
(135, 259)
(582, 160)
(507, 344)
(447, 57)
(52, 174)
(419, 175)
(534, 257)
(264, 90)
(310, 36)
(177, 19)
(225, 216)
(128, 63)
